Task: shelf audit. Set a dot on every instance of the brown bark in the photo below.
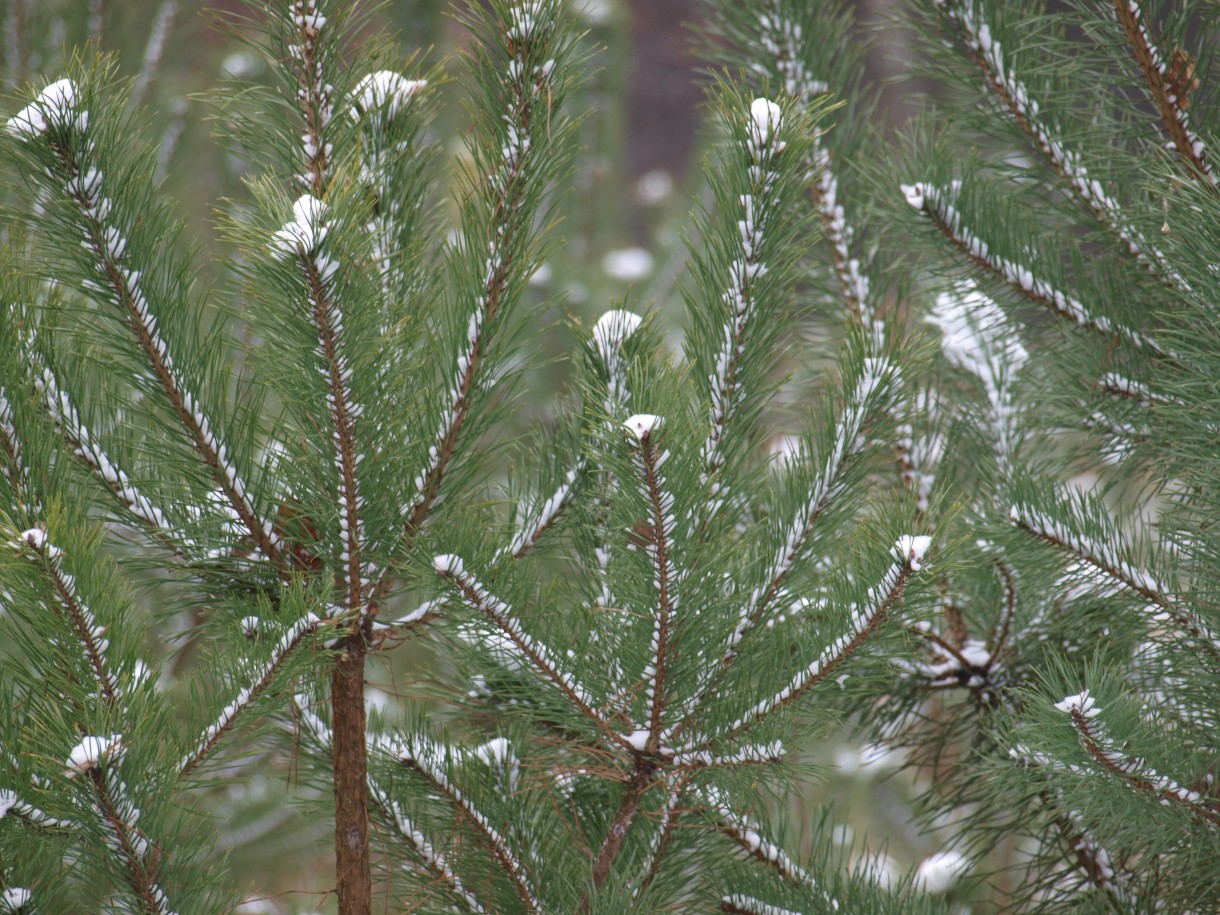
(354, 885)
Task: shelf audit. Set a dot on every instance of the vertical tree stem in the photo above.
(350, 761)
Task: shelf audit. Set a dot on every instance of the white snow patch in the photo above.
(913, 549)
(1081, 702)
(52, 107)
(90, 751)
(448, 564)
(641, 424)
(638, 739)
(765, 117)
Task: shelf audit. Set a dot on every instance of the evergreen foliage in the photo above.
(237, 487)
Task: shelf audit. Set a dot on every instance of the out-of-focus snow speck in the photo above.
(542, 276)
(938, 873)
(241, 64)
(654, 187)
(595, 12)
(627, 264)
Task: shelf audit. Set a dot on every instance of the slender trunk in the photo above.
(354, 885)
(641, 781)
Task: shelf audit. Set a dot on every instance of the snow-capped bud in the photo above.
(91, 751)
(306, 231)
(35, 538)
(1081, 702)
(613, 329)
(250, 626)
(914, 194)
(641, 425)
(765, 117)
(448, 564)
(53, 106)
(913, 548)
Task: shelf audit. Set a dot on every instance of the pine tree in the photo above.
(235, 489)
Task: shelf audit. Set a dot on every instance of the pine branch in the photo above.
(1106, 559)
(751, 842)
(648, 462)
(865, 399)
(433, 860)
(14, 466)
(676, 785)
(302, 239)
(421, 761)
(863, 623)
(739, 904)
(935, 203)
(1026, 113)
(1172, 108)
(512, 208)
(762, 147)
(55, 116)
(534, 653)
(313, 91)
(98, 758)
(539, 520)
(85, 446)
(11, 805)
(1136, 773)
(293, 638)
(76, 613)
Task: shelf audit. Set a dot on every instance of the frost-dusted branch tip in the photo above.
(384, 89)
(448, 564)
(641, 425)
(53, 107)
(913, 549)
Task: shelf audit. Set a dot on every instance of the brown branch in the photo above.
(1169, 103)
(139, 878)
(1137, 781)
(491, 837)
(184, 404)
(342, 415)
(349, 765)
(662, 521)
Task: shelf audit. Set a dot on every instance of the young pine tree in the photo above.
(224, 503)
(235, 488)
